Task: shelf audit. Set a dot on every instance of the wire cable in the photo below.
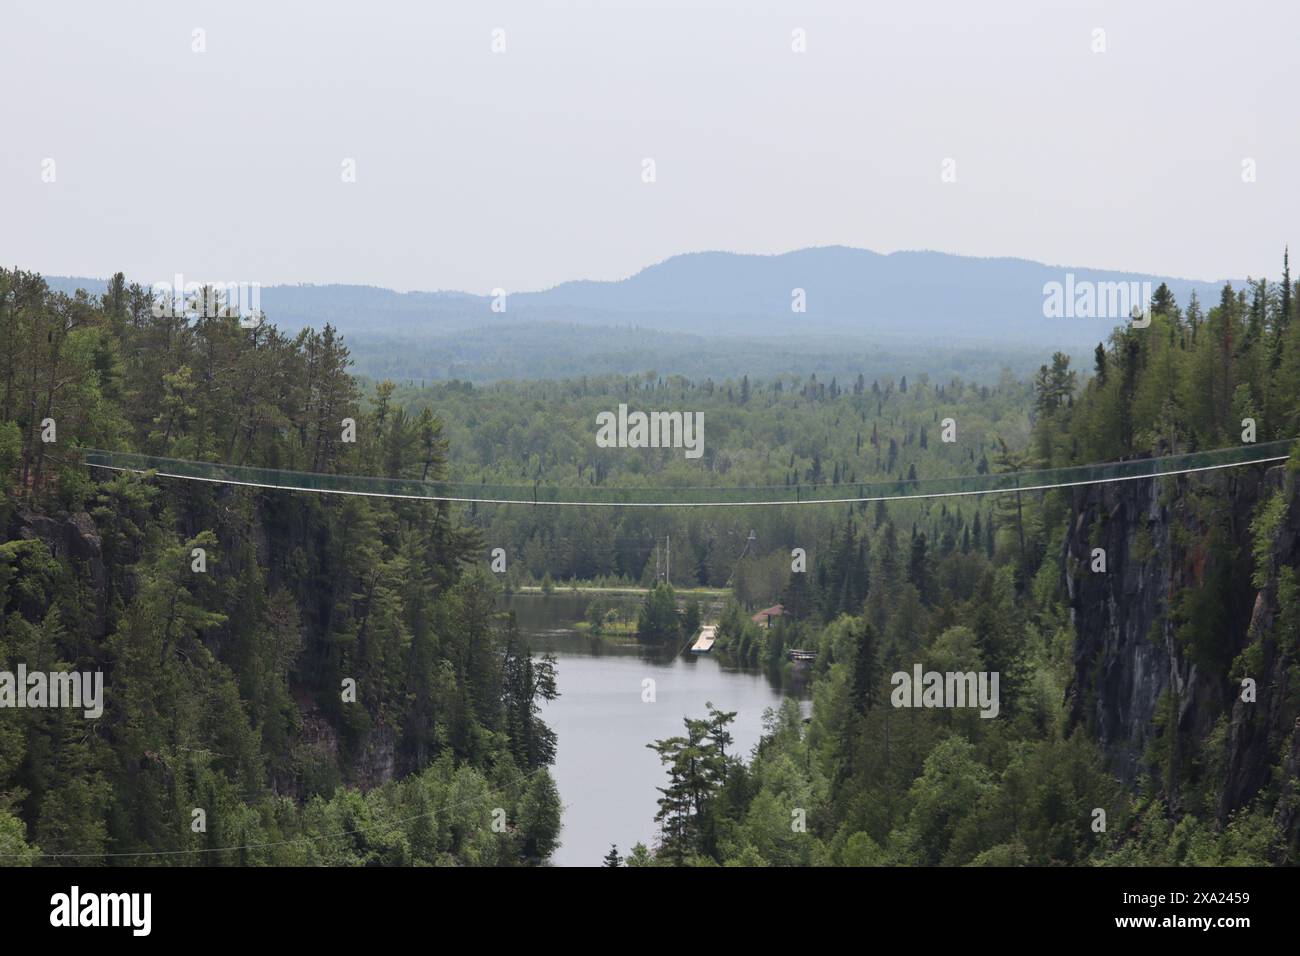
(709, 497)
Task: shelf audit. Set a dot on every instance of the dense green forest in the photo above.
(546, 350)
(335, 686)
(325, 679)
(784, 431)
(864, 783)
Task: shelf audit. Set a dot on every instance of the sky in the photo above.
(989, 129)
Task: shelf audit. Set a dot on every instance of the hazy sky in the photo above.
(523, 168)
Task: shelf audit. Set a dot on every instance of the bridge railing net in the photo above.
(584, 494)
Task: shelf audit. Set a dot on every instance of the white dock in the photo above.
(704, 643)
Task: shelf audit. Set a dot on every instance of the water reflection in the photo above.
(606, 774)
(552, 624)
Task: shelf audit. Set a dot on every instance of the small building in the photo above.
(764, 617)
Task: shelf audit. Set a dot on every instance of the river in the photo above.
(605, 772)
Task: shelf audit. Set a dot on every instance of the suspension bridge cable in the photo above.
(580, 496)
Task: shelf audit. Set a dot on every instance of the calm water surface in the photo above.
(606, 774)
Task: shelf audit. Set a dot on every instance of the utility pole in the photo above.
(748, 542)
(668, 559)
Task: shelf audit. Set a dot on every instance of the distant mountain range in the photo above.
(911, 299)
(907, 295)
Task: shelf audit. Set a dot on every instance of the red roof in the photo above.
(776, 610)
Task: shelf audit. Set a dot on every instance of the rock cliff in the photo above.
(1167, 632)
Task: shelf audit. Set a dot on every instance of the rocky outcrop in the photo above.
(1270, 726)
(1138, 680)
(370, 763)
(75, 537)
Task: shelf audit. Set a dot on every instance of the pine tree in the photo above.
(918, 567)
(866, 668)
(657, 619)
(1163, 301)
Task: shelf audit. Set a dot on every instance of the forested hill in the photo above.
(914, 296)
(287, 678)
(1146, 633)
(716, 313)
